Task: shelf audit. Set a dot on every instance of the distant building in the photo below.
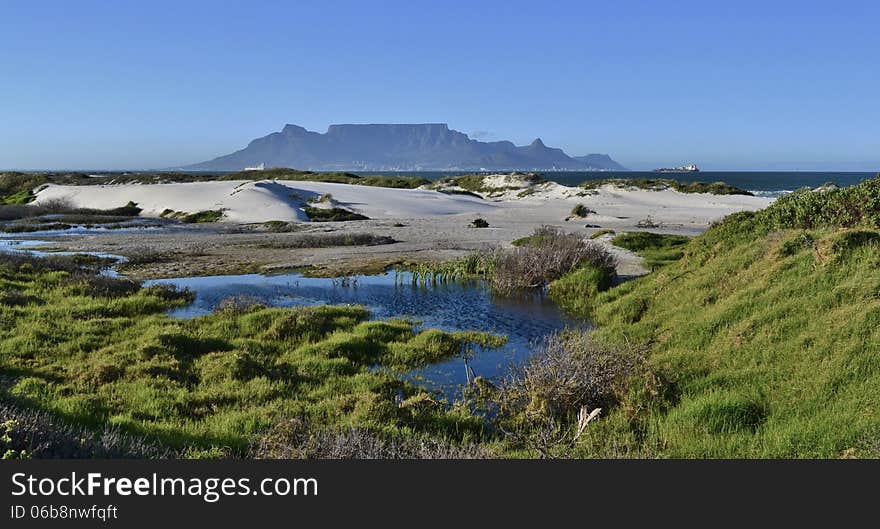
(260, 167)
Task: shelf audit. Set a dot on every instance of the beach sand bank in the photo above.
(429, 225)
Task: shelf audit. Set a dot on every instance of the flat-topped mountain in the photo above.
(397, 147)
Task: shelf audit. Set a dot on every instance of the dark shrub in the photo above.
(570, 371)
(551, 254)
(581, 211)
(547, 404)
(332, 214)
(40, 435)
(299, 439)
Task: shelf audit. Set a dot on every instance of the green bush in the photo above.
(332, 215)
(203, 216)
(581, 210)
(659, 184)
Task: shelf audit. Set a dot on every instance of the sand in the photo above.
(429, 225)
(265, 200)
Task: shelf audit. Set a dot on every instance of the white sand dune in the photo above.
(247, 201)
(259, 201)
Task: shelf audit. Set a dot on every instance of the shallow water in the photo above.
(448, 306)
(26, 246)
(455, 306)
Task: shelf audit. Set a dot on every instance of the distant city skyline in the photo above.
(750, 86)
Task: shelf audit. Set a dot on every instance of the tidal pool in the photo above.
(452, 306)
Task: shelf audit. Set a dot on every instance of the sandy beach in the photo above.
(428, 224)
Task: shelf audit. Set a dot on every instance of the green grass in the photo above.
(657, 249)
(477, 265)
(576, 292)
(764, 338)
(214, 383)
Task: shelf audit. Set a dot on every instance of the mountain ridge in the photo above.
(397, 147)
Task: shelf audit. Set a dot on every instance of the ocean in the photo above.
(769, 184)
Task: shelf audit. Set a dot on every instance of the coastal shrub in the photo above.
(659, 184)
(20, 197)
(332, 214)
(397, 182)
(479, 223)
(301, 439)
(476, 183)
(844, 207)
(32, 227)
(310, 240)
(545, 404)
(537, 237)
(581, 210)
(21, 185)
(570, 370)
(63, 211)
(281, 226)
(283, 173)
(549, 257)
(20, 211)
(202, 216)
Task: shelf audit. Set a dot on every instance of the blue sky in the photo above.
(728, 85)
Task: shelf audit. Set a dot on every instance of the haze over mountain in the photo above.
(398, 147)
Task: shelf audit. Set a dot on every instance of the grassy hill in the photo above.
(764, 337)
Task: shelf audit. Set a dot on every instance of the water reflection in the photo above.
(524, 319)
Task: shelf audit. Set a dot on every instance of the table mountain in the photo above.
(397, 147)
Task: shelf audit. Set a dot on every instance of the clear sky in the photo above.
(727, 85)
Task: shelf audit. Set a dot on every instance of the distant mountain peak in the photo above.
(397, 147)
(293, 129)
